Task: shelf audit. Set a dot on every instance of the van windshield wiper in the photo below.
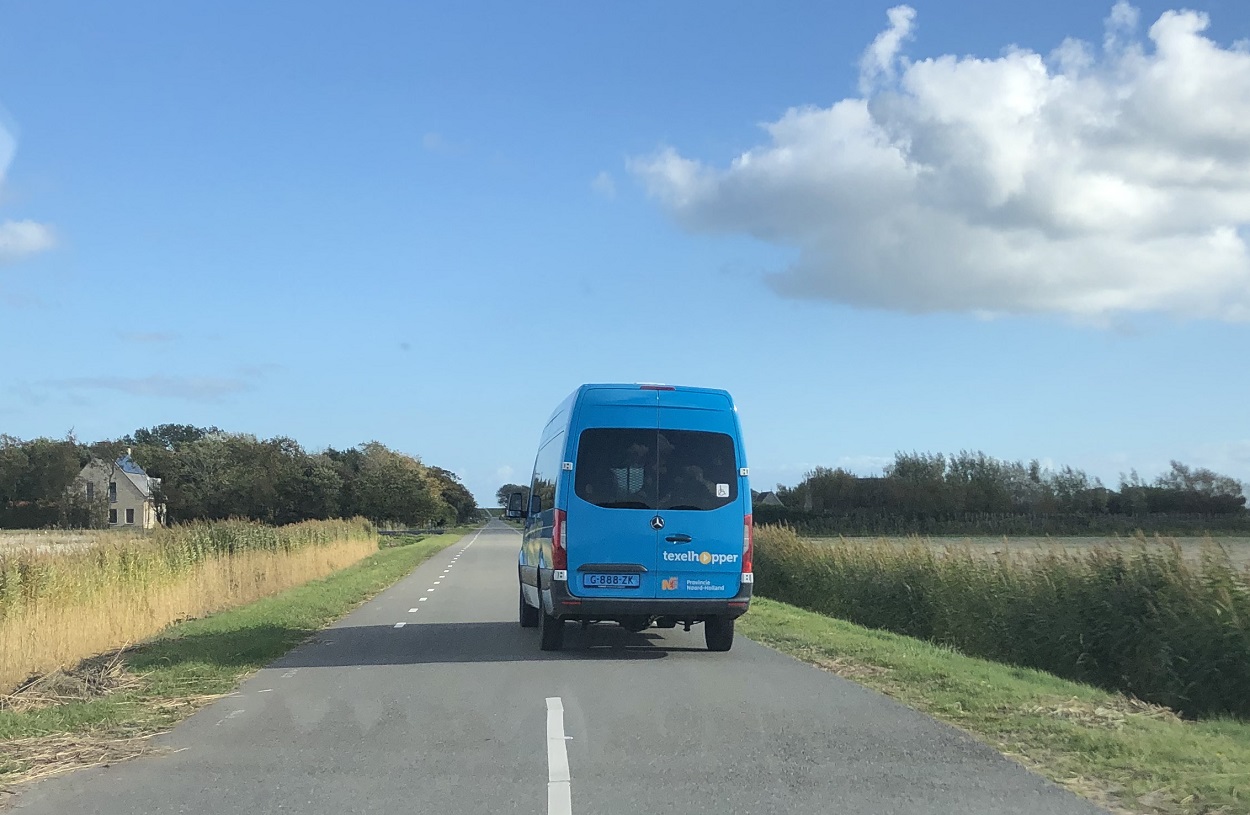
(683, 506)
(624, 505)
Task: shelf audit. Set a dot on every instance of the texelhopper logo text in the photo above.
(706, 558)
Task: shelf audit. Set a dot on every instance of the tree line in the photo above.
(207, 474)
(925, 492)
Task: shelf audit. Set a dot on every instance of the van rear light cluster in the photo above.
(559, 555)
(748, 545)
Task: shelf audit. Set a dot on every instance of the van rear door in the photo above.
(701, 499)
(611, 542)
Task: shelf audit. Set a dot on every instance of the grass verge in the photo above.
(107, 708)
(1124, 754)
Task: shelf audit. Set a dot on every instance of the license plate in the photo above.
(611, 581)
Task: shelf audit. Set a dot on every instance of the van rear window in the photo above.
(637, 468)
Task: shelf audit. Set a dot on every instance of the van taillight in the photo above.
(559, 555)
(748, 544)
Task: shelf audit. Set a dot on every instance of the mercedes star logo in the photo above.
(657, 523)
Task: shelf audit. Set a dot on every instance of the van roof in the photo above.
(605, 393)
(633, 386)
(639, 392)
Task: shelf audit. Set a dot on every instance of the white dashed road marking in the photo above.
(559, 780)
(231, 716)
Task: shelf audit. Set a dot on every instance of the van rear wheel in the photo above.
(718, 633)
(528, 614)
(551, 631)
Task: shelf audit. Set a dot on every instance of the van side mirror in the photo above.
(516, 505)
(536, 505)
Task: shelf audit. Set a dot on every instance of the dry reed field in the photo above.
(58, 607)
(1191, 547)
(1150, 618)
(63, 541)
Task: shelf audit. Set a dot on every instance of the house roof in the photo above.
(142, 481)
(127, 465)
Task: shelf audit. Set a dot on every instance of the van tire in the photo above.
(551, 632)
(528, 614)
(718, 633)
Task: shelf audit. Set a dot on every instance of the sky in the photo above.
(1017, 228)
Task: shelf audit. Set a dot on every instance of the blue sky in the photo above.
(930, 228)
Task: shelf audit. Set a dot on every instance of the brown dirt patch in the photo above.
(1111, 715)
(849, 668)
(44, 756)
(90, 679)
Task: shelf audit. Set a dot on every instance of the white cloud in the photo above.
(604, 185)
(148, 337)
(193, 388)
(1230, 458)
(1091, 182)
(789, 474)
(8, 146)
(1121, 27)
(878, 60)
(433, 142)
(19, 239)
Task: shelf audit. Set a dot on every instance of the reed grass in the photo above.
(105, 709)
(62, 541)
(57, 609)
(1143, 620)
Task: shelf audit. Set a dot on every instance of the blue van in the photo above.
(639, 513)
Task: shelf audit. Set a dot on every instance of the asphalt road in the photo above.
(457, 711)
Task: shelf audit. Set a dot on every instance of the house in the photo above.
(132, 495)
(768, 499)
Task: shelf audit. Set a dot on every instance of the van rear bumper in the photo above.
(565, 606)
